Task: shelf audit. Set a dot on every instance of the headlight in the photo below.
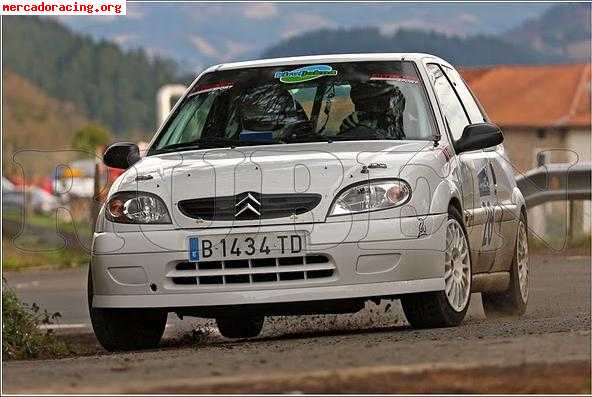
(371, 196)
(137, 207)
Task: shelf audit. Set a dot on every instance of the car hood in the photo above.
(322, 169)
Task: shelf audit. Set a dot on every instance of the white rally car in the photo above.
(310, 185)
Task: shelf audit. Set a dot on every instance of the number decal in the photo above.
(484, 185)
(223, 247)
(235, 250)
(282, 243)
(264, 248)
(488, 229)
(421, 227)
(250, 246)
(206, 248)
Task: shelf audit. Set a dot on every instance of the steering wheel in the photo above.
(361, 132)
(299, 131)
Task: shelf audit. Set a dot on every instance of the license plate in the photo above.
(245, 246)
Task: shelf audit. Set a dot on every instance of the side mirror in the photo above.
(121, 155)
(479, 136)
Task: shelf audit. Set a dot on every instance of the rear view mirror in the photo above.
(121, 155)
(479, 136)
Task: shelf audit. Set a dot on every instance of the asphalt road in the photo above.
(547, 350)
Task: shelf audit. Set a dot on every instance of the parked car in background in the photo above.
(310, 185)
(33, 198)
(12, 197)
(41, 201)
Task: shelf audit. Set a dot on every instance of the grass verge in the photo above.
(75, 227)
(43, 242)
(14, 258)
(21, 336)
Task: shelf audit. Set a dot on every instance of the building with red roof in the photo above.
(545, 114)
(544, 111)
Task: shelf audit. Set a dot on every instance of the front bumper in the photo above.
(371, 258)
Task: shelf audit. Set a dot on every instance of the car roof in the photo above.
(334, 58)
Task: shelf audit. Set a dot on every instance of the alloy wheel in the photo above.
(457, 268)
(522, 259)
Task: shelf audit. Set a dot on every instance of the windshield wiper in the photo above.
(176, 147)
(233, 142)
(209, 143)
(195, 145)
(216, 142)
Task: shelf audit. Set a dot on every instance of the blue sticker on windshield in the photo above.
(305, 73)
(256, 136)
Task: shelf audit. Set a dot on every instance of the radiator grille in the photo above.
(271, 206)
(252, 271)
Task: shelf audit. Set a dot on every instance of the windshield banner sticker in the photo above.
(221, 85)
(393, 76)
(305, 73)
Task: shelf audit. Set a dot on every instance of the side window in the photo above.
(452, 108)
(465, 95)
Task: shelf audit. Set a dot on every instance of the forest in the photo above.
(107, 84)
(478, 50)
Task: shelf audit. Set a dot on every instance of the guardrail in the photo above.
(556, 182)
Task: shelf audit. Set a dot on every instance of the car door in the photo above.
(501, 173)
(479, 196)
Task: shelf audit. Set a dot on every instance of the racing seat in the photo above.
(270, 108)
(378, 107)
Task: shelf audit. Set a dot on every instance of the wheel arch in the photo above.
(455, 202)
(520, 203)
(445, 195)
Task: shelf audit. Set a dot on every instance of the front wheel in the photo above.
(512, 302)
(240, 326)
(125, 329)
(445, 308)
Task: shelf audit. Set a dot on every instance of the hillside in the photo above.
(197, 35)
(469, 51)
(114, 87)
(563, 30)
(31, 119)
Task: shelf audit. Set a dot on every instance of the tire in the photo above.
(442, 308)
(513, 301)
(125, 329)
(240, 327)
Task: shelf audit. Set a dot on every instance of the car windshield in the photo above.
(300, 103)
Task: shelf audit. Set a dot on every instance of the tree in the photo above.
(108, 84)
(91, 136)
